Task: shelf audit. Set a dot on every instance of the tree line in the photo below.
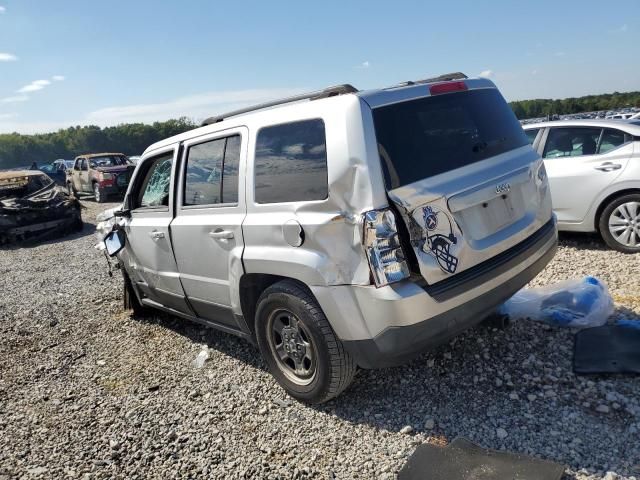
(541, 107)
(18, 150)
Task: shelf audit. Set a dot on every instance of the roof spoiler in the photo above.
(447, 77)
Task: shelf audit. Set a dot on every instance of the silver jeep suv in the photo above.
(342, 228)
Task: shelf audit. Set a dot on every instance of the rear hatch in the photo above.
(459, 169)
(121, 173)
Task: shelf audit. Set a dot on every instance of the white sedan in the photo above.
(594, 174)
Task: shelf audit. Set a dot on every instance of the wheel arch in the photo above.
(608, 199)
(251, 287)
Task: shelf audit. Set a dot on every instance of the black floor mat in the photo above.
(608, 349)
(463, 460)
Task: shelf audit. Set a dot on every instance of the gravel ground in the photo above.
(87, 391)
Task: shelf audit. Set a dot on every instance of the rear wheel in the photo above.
(299, 346)
(98, 193)
(620, 223)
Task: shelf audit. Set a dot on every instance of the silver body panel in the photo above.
(331, 261)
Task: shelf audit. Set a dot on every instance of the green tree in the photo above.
(18, 150)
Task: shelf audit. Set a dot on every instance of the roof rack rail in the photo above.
(318, 94)
(442, 78)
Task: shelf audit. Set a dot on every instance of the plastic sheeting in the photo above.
(573, 303)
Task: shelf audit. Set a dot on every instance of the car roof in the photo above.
(374, 98)
(91, 155)
(624, 125)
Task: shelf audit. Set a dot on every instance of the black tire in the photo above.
(77, 224)
(334, 367)
(130, 299)
(606, 215)
(98, 193)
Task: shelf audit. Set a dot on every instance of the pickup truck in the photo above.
(102, 174)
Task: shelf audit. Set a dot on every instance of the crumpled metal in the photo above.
(33, 215)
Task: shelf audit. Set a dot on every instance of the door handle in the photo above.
(223, 234)
(156, 234)
(608, 167)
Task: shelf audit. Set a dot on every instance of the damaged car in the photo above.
(33, 208)
(102, 174)
(341, 228)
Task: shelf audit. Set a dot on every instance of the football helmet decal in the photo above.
(439, 238)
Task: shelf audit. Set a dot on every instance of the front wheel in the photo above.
(130, 299)
(620, 223)
(299, 345)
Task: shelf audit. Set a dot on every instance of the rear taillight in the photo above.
(447, 87)
(382, 244)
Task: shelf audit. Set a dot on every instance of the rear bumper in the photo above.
(113, 189)
(399, 319)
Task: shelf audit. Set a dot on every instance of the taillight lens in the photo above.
(447, 87)
(382, 244)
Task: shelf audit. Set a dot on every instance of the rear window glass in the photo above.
(425, 137)
(291, 163)
(107, 161)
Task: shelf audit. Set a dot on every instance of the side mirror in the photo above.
(114, 242)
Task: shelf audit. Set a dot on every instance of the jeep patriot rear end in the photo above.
(342, 228)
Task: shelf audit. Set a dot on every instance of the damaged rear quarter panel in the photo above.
(332, 252)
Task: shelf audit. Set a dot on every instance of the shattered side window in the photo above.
(156, 186)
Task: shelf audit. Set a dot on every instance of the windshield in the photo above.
(108, 161)
(424, 137)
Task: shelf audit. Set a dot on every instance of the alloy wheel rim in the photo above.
(96, 191)
(624, 224)
(291, 347)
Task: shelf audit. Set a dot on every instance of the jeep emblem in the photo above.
(503, 188)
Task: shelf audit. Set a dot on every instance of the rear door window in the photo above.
(212, 172)
(203, 178)
(428, 136)
(571, 142)
(291, 163)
